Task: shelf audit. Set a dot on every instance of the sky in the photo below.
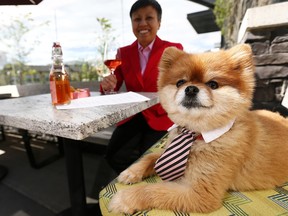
(73, 23)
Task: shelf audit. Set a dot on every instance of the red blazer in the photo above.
(130, 73)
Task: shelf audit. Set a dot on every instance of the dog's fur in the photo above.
(252, 155)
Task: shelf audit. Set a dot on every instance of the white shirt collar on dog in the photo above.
(209, 136)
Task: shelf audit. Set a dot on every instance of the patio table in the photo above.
(36, 113)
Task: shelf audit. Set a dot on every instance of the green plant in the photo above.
(15, 37)
(222, 12)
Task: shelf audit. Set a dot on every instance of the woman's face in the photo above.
(145, 25)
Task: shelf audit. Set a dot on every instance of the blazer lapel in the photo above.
(135, 63)
(138, 72)
(153, 60)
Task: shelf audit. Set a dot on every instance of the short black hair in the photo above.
(144, 3)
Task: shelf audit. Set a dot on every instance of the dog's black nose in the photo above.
(191, 91)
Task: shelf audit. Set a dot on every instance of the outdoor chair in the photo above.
(262, 202)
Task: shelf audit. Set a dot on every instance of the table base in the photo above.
(91, 210)
(3, 172)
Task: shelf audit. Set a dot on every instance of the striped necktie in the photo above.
(172, 163)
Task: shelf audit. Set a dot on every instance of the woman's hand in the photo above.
(109, 83)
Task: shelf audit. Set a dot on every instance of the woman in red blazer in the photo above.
(132, 137)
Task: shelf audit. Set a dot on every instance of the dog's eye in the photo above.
(180, 82)
(212, 84)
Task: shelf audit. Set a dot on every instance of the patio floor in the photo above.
(26, 191)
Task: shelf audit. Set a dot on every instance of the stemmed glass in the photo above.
(112, 63)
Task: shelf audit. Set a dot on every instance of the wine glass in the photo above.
(112, 63)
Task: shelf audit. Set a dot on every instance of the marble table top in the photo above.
(36, 113)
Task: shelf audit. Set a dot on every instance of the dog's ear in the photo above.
(242, 65)
(241, 54)
(241, 50)
(170, 55)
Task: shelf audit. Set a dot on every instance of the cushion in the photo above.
(264, 202)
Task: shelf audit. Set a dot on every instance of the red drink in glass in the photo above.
(112, 64)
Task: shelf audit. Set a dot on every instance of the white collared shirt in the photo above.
(209, 136)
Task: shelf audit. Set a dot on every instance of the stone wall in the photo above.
(270, 49)
(266, 30)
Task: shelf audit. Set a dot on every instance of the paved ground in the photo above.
(26, 191)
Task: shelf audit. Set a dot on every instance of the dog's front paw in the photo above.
(129, 177)
(120, 203)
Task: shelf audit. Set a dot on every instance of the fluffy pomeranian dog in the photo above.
(205, 93)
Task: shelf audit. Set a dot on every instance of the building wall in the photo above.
(237, 12)
(266, 30)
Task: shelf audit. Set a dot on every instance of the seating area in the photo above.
(235, 203)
